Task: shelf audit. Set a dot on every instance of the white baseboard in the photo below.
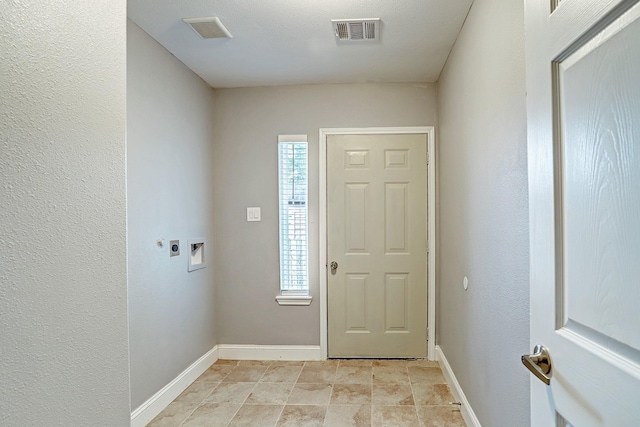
(466, 410)
(269, 352)
(156, 403)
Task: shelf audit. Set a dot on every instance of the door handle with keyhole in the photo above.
(333, 265)
(539, 363)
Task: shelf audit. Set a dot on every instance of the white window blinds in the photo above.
(292, 186)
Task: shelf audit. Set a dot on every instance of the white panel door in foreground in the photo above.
(583, 85)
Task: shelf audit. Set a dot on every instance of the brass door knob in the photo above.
(539, 363)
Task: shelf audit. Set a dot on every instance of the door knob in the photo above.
(539, 363)
(334, 265)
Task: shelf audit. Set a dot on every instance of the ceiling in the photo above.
(280, 42)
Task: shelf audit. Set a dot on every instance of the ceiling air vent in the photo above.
(356, 29)
(208, 28)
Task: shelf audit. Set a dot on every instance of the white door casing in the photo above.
(583, 113)
(429, 133)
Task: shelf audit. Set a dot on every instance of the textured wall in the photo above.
(169, 189)
(483, 213)
(63, 291)
(247, 124)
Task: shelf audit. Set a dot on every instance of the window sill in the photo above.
(294, 299)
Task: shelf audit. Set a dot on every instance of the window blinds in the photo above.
(292, 177)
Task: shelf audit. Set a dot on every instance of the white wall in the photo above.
(63, 291)
(247, 123)
(483, 213)
(169, 188)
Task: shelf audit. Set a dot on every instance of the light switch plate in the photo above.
(253, 214)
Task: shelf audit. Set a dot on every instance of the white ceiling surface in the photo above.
(292, 42)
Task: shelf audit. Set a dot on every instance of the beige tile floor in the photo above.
(332, 393)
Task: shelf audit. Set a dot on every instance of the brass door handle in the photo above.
(539, 363)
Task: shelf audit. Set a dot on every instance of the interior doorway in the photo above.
(374, 317)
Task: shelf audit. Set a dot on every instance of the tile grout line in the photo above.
(371, 405)
(289, 395)
(189, 414)
(333, 382)
(413, 396)
(199, 404)
(251, 391)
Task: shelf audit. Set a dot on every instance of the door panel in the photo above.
(601, 186)
(396, 302)
(355, 218)
(376, 222)
(396, 206)
(584, 181)
(357, 302)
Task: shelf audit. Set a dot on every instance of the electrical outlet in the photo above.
(174, 248)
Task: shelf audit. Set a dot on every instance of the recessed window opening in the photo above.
(293, 218)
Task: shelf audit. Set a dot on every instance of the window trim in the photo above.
(289, 297)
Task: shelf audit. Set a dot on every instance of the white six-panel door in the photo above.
(376, 228)
(583, 89)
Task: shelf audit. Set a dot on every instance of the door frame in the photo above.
(431, 224)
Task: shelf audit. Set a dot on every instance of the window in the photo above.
(294, 240)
